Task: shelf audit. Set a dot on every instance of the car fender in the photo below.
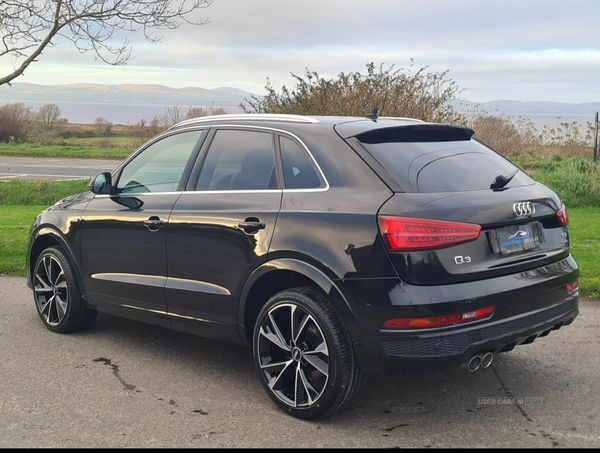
(326, 284)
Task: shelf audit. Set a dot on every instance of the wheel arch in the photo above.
(280, 274)
(48, 237)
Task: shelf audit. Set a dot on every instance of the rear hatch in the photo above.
(454, 217)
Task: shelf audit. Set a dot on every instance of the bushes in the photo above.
(395, 92)
(14, 121)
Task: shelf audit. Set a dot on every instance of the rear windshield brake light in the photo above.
(406, 234)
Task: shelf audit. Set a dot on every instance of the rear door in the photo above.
(124, 235)
(221, 228)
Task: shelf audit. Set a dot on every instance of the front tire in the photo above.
(57, 295)
(304, 354)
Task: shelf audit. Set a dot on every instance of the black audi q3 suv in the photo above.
(332, 246)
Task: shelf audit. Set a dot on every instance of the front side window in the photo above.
(239, 160)
(160, 166)
(298, 169)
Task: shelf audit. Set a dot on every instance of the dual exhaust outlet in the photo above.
(482, 361)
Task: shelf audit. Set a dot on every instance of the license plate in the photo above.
(518, 238)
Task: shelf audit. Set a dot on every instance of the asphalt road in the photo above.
(35, 168)
(125, 384)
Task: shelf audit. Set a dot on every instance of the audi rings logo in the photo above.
(525, 208)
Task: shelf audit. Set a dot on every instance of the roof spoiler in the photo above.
(416, 133)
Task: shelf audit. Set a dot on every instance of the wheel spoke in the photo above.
(302, 326)
(319, 364)
(321, 349)
(60, 276)
(275, 364)
(61, 307)
(45, 285)
(48, 267)
(278, 333)
(309, 388)
(46, 307)
(273, 382)
(273, 339)
(296, 385)
(292, 323)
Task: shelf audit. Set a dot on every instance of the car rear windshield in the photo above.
(442, 166)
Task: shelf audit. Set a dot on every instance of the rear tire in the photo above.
(57, 295)
(304, 354)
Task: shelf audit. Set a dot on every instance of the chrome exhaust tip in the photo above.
(487, 360)
(474, 363)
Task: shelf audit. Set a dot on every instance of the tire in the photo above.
(309, 370)
(57, 295)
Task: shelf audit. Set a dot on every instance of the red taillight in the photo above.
(405, 234)
(573, 286)
(562, 216)
(438, 321)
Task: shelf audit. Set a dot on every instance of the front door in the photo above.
(220, 230)
(124, 235)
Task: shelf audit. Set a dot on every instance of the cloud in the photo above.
(526, 50)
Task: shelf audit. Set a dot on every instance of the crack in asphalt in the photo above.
(522, 410)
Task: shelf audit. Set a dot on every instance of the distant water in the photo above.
(86, 113)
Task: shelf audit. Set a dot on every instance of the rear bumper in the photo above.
(434, 351)
(526, 305)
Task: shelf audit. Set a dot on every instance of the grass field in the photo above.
(68, 151)
(584, 231)
(39, 193)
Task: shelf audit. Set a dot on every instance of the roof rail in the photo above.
(250, 117)
(399, 118)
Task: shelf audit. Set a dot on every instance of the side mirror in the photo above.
(101, 183)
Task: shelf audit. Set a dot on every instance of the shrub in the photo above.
(15, 120)
(395, 92)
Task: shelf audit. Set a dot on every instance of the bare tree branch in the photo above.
(27, 27)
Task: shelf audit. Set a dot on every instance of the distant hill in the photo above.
(231, 97)
(509, 107)
(122, 94)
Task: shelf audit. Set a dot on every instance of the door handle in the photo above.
(154, 223)
(252, 225)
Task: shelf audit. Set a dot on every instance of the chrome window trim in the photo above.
(233, 126)
(249, 117)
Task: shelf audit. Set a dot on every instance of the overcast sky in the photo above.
(526, 50)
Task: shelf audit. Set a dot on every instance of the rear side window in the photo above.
(443, 166)
(239, 160)
(298, 169)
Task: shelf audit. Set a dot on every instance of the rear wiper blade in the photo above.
(502, 180)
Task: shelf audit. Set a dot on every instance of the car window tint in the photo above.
(159, 167)
(239, 160)
(443, 166)
(298, 169)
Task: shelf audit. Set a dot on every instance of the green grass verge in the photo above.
(584, 232)
(40, 192)
(14, 236)
(77, 152)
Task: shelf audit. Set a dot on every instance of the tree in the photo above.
(27, 27)
(395, 92)
(103, 126)
(48, 117)
(15, 120)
